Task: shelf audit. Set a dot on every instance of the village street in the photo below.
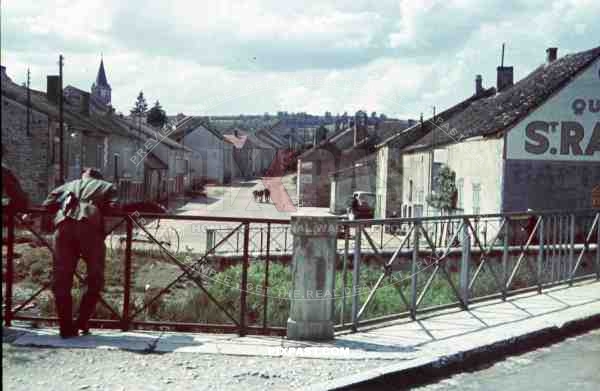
(233, 200)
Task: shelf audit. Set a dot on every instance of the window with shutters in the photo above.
(116, 167)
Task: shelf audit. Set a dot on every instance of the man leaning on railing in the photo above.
(79, 231)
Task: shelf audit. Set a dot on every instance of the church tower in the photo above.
(101, 89)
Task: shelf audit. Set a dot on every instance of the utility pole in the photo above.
(432, 156)
(61, 169)
(28, 102)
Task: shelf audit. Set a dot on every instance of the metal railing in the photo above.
(280, 240)
(433, 263)
(126, 303)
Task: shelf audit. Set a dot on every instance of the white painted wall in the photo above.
(478, 162)
(416, 169)
(208, 154)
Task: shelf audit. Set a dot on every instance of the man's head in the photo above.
(91, 173)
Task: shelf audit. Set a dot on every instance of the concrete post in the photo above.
(313, 276)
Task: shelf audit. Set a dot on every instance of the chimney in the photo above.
(478, 85)
(360, 127)
(85, 103)
(235, 132)
(551, 54)
(505, 78)
(53, 88)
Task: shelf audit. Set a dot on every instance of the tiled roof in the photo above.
(343, 140)
(237, 141)
(257, 142)
(418, 131)
(40, 102)
(500, 112)
(190, 124)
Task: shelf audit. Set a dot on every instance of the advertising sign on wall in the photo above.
(565, 128)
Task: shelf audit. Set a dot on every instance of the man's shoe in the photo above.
(85, 331)
(64, 334)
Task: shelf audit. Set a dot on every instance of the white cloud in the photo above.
(397, 57)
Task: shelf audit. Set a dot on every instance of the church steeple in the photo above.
(101, 89)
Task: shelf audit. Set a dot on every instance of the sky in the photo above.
(400, 58)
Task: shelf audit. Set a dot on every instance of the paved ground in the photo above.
(397, 347)
(569, 365)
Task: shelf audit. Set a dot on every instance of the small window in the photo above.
(410, 190)
(460, 184)
(476, 198)
(99, 157)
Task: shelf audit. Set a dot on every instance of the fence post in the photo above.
(464, 264)
(505, 256)
(244, 284)
(414, 270)
(127, 275)
(261, 240)
(540, 260)
(266, 284)
(571, 248)
(313, 265)
(344, 281)
(598, 249)
(356, 276)
(10, 255)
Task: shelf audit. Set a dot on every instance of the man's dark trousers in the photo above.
(74, 239)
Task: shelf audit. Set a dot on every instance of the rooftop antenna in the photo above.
(502, 60)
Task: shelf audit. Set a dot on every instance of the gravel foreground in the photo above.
(27, 368)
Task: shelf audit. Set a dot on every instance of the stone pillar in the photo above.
(313, 276)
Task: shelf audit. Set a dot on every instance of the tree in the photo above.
(157, 116)
(140, 106)
(444, 198)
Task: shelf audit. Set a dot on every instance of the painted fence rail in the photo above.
(434, 263)
(159, 289)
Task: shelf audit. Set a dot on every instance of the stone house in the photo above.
(212, 155)
(242, 153)
(94, 136)
(534, 144)
(35, 156)
(403, 180)
(346, 148)
(263, 155)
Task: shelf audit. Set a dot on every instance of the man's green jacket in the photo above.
(82, 199)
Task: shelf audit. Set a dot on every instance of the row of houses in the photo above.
(532, 144)
(147, 164)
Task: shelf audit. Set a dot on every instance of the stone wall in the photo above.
(547, 185)
(388, 182)
(27, 155)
